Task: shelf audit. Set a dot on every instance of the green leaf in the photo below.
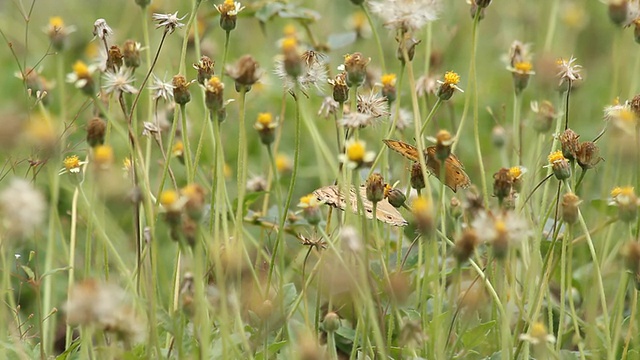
(268, 11)
(28, 271)
(477, 335)
(272, 349)
(53, 271)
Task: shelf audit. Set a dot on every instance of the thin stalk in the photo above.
(227, 35)
(242, 161)
(375, 36)
(185, 41)
(185, 140)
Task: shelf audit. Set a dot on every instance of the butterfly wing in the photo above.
(385, 212)
(402, 148)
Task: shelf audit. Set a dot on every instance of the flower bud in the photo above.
(96, 130)
(395, 197)
(570, 210)
(417, 180)
(466, 245)
(131, 54)
(205, 69)
(498, 136)
(569, 141)
(375, 188)
(181, 92)
(331, 322)
(560, 165)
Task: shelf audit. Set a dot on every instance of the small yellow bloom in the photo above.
(103, 155)
(169, 198)
(421, 205)
(178, 148)
(81, 69)
(451, 78)
(555, 157)
(388, 80)
(283, 163)
(289, 30)
(515, 172)
(500, 227)
(56, 22)
(265, 119)
(356, 151)
(126, 164)
(308, 201)
(524, 67)
(624, 191)
(289, 43)
(72, 163)
(226, 170)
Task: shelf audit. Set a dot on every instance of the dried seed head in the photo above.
(588, 155)
(131, 53)
(194, 195)
(205, 69)
(407, 44)
(355, 65)
(570, 210)
(417, 180)
(502, 184)
(570, 145)
(545, 114)
(214, 94)
(181, 92)
(115, 59)
(466, 245)
(96, 130)
(340, 88)
(245, 72)
(375, 188)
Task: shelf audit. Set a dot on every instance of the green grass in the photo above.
(175, 257)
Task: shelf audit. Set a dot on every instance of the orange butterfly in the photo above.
(454, 175)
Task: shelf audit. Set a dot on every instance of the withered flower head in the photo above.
(194, 195)
(115, 59)
(181, 92)
(570, 210)
(466, 245)
(101, 29)
(375, 188)
(355, 65)
(502, 183)
(569, 72)
(131, 53)
(570, 145)
(631, 254)
(588, 155)
(340, 88)
(96, 130)
(406, 43)
(417, 181)
(214, 94)
(205, 69)
(406, 15)
(170, 22)
(545, 114)
(245, 72)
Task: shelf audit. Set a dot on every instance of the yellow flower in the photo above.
(421, 205)
(72, 163)
(265, 121)
(555, 157)
(178, 148)
(289, 43)
(289, 30)
(523, 67)
(388, 80)
(356, 154)
(81, 69)
(283, 163)
(451, 78)
(56, 22)
(308, 201)
(515, 172)
(103, 155)
(624, 191)
(356, 151)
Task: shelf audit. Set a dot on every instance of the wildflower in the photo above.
(310, 206)
(587, 155)
(546, 113)
(569, 72)
(375, 188)
(205, 69)
(406, 43)
(500, 230)
(340, 88)
(328, 107)
(406, 15)
(443, 141)
(115, 59)
(521, 72)
(570, 208)
(58, 32)
(356, 154)
(359, 24)
(466, 245)
(516, 173)
(622, 116)
(623, 12)
(72, 164)
(161, 89)
(181, 92)
(22, 208)
(422, 210)
(103, 156)
(627, 202)
(194, 200)
(169, 21)
(373, 105)
(214, 94)
(119, 82)
(131, 53)
(502, 184)
(229, 14)
(355, 66)
(257, 184)
(82, 77)
(448, 86)
(389, 90)
(426, 85)
(283, 163)
(105, 306)
(101, 29)
(245, 72)
(355, 120)
(560, 165)
(265, 127)
(569, 142)
(395, 197)
(178, 150)
(519, 53)
(313, 72)
(416, 179)
(538, 335)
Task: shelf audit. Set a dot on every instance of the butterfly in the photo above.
(385, 212)
(454, 175)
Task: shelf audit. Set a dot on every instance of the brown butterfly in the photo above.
(454, 175)
(385, 212)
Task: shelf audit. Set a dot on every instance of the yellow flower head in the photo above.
(555, 157)
(283, 163)
(500, 227)
(289, 44)
(289, 30)
(515, 172)
(265, 119)
(214, 84)
(308, 201)
(126, 164)
(81, 69)
(168, 198)
(72, 163)
(178, 148)
(538, 330)
(56, 22)
(421, 205)
(451, 78)
(524, 67)
(624, 191)
(356, 151)
(388, 80)
(103, 155)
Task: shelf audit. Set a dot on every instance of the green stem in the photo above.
(185, 41)
(242, 167)
(375, 36)
(185, 141)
